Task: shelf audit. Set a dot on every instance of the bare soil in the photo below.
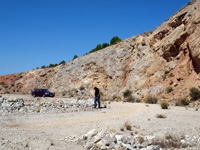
(48, 130)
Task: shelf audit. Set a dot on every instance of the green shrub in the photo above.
(182, 101)
(164, 104)
(98, 47)
(115, 40)
(104, 45)
(127, 93)
(62, 62)
(150, 99)
(43, 67)
(52, 65)
(102, 96)
(194, 93)
(168, 89)
(75, 56)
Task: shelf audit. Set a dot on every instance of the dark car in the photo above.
(43, 93)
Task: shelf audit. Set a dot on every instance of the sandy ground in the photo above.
(48, 130)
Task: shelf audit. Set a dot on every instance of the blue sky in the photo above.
(39, 32)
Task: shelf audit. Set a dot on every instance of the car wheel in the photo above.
(34, 95)
(43, 95)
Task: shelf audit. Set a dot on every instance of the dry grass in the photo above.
(164, 104)
(127, 93)
(140, 139)
(184, 101)
(160, 116)
(130, 99)
(150, 99)
(169, 89)
(169, 141)
(127, 125)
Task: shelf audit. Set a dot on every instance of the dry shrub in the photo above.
(150, 99)
(164, 104)
(82, 88)
(143, 43)
(130, 99)
(138, 100)
(64, 93)
(127, 93)
(116, 98)
(127, 125)
(169, 141)
(194, 93)
(160, 116)
(140, 139)
(121, 129)
(182, 101)
(169, 89)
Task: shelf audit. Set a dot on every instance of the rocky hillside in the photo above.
(146, 63)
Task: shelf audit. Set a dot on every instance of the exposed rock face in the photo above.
(139, 63)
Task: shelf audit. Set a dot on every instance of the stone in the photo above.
(98, 137)
(127, 146)
(37, 108)
(119, 137)
(107, 140)
(1, 100)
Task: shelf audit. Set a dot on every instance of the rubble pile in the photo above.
(19, 105)
(95, 140)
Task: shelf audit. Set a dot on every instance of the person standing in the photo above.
(97, 97)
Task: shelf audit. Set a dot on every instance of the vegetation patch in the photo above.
(160, 116)
(115, 40)
(194, 94)
(127, 125)
(184, 101)
(116, 98)
(169, 141)
(164, 104)
(150, 99)
(130, 99)
(169, 89)
(127, 93)
(81, 88)
(171, 82)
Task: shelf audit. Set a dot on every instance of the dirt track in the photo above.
(48, 130)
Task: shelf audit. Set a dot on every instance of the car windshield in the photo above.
(45, 90)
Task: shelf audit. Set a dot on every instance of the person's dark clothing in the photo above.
(97, 92)
(97, 98)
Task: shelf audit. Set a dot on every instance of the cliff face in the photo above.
(146, 63)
